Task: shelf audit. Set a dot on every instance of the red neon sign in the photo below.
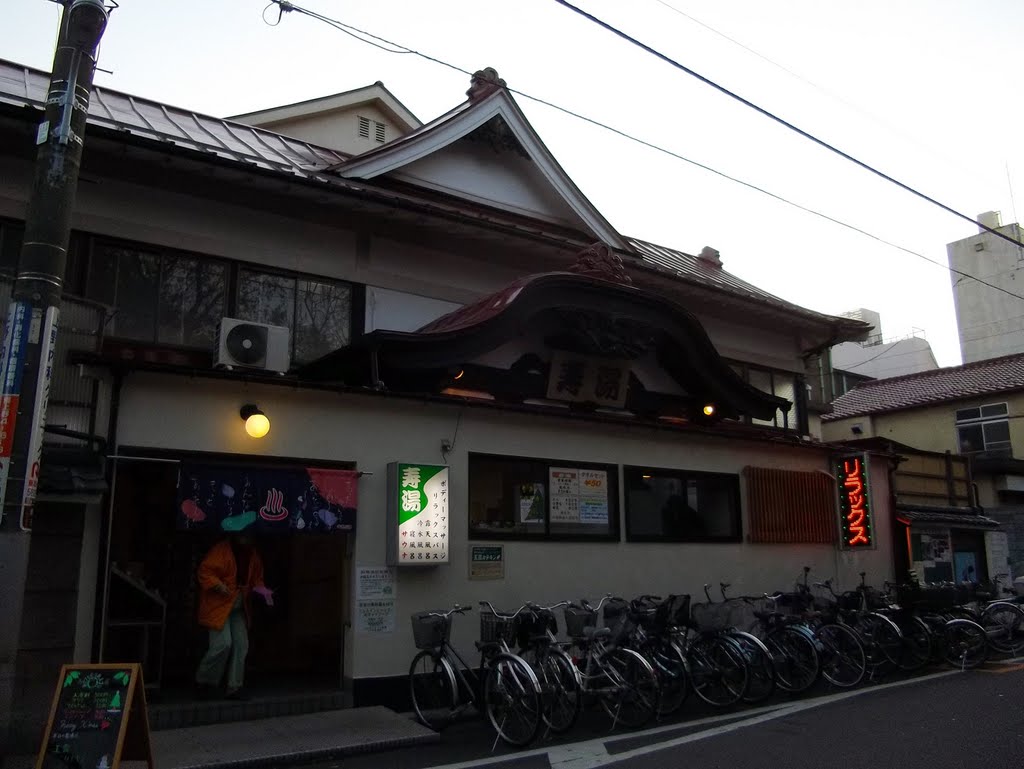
(854, 505)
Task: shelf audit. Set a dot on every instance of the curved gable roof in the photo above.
(462, 121)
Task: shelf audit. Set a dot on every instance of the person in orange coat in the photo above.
(228, 576)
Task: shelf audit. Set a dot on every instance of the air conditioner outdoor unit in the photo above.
(243, 344)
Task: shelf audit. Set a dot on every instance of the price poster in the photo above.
(578, 495)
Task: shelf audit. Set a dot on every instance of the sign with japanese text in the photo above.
(580, 379)
(375, 582)
(12, 361)
(855, 513)
(375, 616)
(48, 340)
(418, 504)
(487, 562)
(578, 495)
(266, 499)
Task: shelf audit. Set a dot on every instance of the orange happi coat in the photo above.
(219, 568)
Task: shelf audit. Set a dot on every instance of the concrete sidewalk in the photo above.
(279, 741)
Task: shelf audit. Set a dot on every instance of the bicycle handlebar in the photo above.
(456, 609)
(497, 613)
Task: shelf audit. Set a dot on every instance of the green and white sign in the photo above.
(418, 502)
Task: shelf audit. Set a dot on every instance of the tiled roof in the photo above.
(971, 380)
(965, 520)
(21, 85)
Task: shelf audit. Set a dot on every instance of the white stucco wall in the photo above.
(202, 415)
(907, 356)
(339, 130)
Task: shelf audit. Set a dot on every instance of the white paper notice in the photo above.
(375, 616)
(565, 495)
(375, 582)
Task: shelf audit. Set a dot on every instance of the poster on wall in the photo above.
(531, 503)
(855, 510)
(579, 496)
(261, 499)
(418, 521)
(375, 616)
(375, 582)
(487, 562)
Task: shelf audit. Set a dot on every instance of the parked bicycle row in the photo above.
(639, 659)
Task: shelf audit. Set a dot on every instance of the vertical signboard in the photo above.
(12, 360)
(855, 514)
(418, 520)
(48, 340)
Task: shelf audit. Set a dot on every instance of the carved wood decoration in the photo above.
(599, 261)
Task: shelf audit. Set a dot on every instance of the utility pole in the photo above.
(26, 357)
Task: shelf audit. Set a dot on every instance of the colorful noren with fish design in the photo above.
(266, 499)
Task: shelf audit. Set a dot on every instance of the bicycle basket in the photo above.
(679, 612)
(534, 623)
(615, 610)
(494, 628)
(429, 630)
(711, 616)
(576, 620)
(849, 601)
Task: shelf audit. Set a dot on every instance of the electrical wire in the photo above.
(286, 6)
(781, 121)
(821, 89)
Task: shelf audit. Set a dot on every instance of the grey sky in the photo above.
(922, 89)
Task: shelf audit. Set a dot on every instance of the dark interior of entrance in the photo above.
(292, 644)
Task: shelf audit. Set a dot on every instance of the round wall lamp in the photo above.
(709, 410)
(256, 422)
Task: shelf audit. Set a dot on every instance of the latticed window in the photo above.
(789, 506)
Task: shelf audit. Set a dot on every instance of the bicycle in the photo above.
(758, 657)
(717, 663)
(621, 679)
(505, 690)
(652, 621)
(536, 634)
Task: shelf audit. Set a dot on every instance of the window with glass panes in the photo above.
(664, 505)
(783, 384)
(529, 498)
(178, 298)
(984, 430)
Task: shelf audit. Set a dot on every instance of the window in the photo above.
(681, 506)
(318, 312)
(165, 298)
(984, 430)
(779, 383)
(514, 497)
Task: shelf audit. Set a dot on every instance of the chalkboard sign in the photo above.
(98, 717)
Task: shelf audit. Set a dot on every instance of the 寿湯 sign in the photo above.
(418, 521)
(98, 718)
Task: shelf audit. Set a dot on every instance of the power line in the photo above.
(831, 94)
(781, 121)
(287, 6)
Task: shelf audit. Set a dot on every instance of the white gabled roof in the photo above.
(375, 93)
(464, 120)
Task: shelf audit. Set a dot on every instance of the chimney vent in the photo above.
(710, 256)
(991, 219)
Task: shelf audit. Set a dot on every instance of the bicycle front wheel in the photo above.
(965, 644)
(1004, 625)
(760, 665)
(433, 689)
(718, 669)
(561, 697)
(794, 658)
(512, 700)
(669, 665)
(632, 695)
(843, 660)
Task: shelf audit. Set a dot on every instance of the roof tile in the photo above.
(984, 377)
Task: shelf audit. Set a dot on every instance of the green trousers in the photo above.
(228, 648)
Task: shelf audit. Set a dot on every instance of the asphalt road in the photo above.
(934, 722)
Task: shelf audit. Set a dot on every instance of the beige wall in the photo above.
(931, 428)
(202, 415)
(338, 130)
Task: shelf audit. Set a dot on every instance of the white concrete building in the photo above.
(606, 414)
(990, 322)
(879, 357)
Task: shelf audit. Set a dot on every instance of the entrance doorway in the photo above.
(152, 594)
